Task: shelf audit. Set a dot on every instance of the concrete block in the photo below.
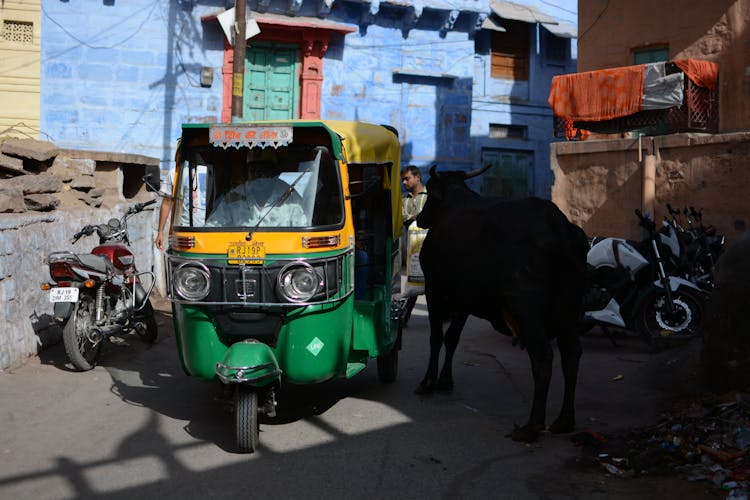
(94, 72)
(11, 199)
(41, 202)
(62, 117)
(126, 74)
(137, 57)
(58, 70)
(83, 183)
(70, 167)
(89, 200)
(30, 148)
(37, 183)
(10, 164)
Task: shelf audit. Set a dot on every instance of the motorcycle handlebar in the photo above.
(645, 222)
(138, 207)
(86, 231)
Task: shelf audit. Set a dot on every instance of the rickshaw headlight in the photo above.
(298, 282)
(192, 281)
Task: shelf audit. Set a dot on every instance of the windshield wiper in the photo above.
(282, 198)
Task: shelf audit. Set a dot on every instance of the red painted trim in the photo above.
(313, 42)
(226, 83)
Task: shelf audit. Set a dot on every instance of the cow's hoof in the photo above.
(562, 426)
(425, 387)
(525, 434)
(444, 385)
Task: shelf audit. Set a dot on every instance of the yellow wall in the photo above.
(19, 70)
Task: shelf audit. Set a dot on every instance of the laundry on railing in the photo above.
(608, 94)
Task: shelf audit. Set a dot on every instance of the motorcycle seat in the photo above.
(97, 263)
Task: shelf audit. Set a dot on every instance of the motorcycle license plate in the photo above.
(63, 294)
(252, 253)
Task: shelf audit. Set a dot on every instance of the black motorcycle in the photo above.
(633, 286)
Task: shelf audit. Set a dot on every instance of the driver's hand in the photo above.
(160, 240)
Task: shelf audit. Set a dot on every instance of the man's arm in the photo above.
(166, 208)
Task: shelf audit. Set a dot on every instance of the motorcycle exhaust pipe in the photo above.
(98, 333)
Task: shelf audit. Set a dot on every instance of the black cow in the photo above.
(520, 265)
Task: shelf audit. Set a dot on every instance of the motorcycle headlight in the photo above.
(298, 282)
(192, 281)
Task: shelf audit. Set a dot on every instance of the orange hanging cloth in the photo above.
(598, 95)
(701, 73)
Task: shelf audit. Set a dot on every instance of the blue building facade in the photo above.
(464, 82)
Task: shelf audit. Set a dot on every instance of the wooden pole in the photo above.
(649, 185)
(238, 64)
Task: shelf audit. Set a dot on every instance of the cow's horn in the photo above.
(479, 171)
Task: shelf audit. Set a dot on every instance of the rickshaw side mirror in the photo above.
(151, 179)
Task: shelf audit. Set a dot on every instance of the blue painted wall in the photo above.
(123, 76)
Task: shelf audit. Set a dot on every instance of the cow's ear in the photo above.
(432, 171)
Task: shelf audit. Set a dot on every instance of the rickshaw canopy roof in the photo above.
(355, 142)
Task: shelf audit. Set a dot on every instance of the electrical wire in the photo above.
(86, 44)
(16, 128)
(575, 13)
(595, 21)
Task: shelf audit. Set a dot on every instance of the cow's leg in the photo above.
(540, 354)
(570, 356)
(428, 383)
(452, 335)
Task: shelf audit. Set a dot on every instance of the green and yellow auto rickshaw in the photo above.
(283, 259)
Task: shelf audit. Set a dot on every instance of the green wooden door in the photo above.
(508, 177)
(271, 86)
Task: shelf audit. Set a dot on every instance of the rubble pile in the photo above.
(35, 175)
(704, 439)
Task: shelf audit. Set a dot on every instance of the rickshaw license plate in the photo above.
(253, 253)
(63, 294)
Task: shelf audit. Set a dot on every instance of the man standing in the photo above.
(166, 191)
(412, 203)
(416, 194)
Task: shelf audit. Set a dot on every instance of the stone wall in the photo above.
(25, 241)
(599, 183)
(46, 196)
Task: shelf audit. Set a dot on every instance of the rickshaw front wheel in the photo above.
(246, 418)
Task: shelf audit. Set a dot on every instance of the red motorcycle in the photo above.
(99, 294)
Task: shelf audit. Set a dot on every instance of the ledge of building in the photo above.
(107, 156)
(686, 139)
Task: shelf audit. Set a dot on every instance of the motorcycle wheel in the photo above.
(82, 352)
(658, 327)
(150, 332)
(246, 418)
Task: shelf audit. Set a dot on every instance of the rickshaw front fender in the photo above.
(249, 362)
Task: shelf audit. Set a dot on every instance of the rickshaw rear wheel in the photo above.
(388, 366)
(388, 362)
(246, 418)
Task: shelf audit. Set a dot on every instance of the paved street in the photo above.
(137, 427)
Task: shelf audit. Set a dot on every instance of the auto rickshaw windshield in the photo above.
(288, 187)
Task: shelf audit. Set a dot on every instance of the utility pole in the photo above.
(238, 65)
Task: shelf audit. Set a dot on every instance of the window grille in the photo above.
(18, 31)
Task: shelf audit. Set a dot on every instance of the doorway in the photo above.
(271, 82)
(510, 175)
